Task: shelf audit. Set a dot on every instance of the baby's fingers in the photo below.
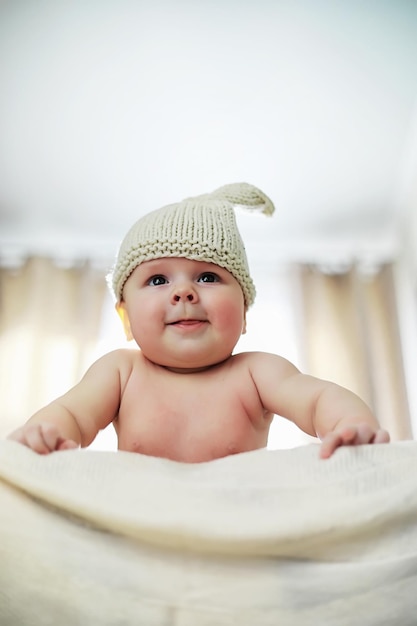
(66, 444)
(51, 436)
(348, 436)
(382, 436)
(367, 434)
(329, 444)
(34, 437)
(352, 436)
(363, 434)
(53, 439)
(41, 438)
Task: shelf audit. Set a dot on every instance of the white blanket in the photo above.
(262, 538)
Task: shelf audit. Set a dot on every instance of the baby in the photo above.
(182, 288)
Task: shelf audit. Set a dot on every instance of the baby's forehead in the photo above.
(179, 262)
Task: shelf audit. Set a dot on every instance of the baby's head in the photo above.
(202, 228)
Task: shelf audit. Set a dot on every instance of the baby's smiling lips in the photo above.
(187, 323)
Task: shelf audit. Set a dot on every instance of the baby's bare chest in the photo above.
(190, 419)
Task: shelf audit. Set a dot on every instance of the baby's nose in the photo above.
(184, 293)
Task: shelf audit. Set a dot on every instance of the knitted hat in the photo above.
(202, 228)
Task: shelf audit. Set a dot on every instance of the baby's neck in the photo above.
(193, 370)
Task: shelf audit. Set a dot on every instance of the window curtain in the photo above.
(49, 323)
(351, 336)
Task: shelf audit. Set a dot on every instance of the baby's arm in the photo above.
(75, 418)
(320, 408)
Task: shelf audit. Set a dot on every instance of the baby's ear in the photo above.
(244, 323)
(121, 311)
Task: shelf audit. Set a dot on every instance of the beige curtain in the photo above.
(351, 336)
(49, 323)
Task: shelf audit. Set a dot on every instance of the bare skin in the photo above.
(183, 395)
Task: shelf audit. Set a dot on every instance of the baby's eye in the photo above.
(157, 280)
(208, 277)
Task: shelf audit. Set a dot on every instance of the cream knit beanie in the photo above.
(202, 228)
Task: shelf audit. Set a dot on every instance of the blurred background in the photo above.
(110, 109)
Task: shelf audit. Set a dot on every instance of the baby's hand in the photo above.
(42, 438)
(354, 435)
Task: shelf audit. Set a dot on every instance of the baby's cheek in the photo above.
(231, 321)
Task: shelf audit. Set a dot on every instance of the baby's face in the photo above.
(184, 314)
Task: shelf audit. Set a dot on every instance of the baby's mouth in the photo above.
(188, 323)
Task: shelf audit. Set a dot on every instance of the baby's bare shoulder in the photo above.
(123, 354)
(122, 361)
(266, 364)
(260, 358)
